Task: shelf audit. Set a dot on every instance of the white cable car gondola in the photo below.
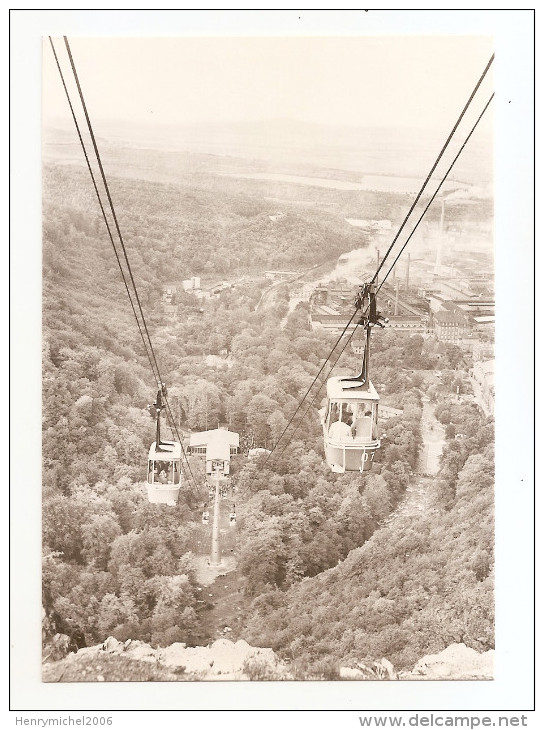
(350, 417)
(163, 474)
(350, 426)
(164, 464)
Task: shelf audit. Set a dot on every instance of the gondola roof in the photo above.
(169, 450)
(340, 388)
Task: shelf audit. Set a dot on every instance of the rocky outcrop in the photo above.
(375, 670)
(457, 661)
(88, 667)
(222, 660)
(227, 660)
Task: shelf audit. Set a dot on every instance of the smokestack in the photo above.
(440, 240)
(378, 257)
(408, 272)
(396, 298)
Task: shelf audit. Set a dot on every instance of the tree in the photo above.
(113, 612)
(61, 524)
(174, 617)
(277, 423)
(450, 431)
(97, 536)
(262, 558)
(201, 401)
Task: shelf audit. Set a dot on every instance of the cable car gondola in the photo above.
(164, 463)
(350, 417)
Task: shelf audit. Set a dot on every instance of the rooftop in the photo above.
(446, 317)
(214, 436)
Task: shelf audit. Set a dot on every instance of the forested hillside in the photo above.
(415, 587)
(205, 225)
(325, 577)
(113, 563)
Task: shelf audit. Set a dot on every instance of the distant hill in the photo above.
(361, 150)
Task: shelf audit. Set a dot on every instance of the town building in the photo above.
(332, 306)
(450, 326)
(414, 324)
(192, 284)
(170, 311)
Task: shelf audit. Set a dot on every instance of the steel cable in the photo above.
(150, 352)
(433, 168)
(407, 216)
(101, 206)
(428, 205)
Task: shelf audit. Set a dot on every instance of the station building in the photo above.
(216, 446)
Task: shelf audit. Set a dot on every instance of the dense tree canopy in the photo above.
(326, 575)
(416, 586)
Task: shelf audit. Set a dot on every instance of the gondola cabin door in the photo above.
(350, 425)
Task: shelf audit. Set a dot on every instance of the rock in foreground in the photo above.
(136, 661)
(457, 661)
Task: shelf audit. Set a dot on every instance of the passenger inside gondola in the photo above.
(340, 420)
(364, 425)
(165, 472)
(362, 422)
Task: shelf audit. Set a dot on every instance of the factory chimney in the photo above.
(440, 240)
(396, 298)
(408, 272)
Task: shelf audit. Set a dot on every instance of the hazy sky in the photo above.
(364, 81)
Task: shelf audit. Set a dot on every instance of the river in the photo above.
(377, 183)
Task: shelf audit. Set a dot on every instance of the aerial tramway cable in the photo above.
(433, 168)
(107, 189)
(348, 340)
(469, 135)
(407, 216)
(148, 345)
(102, 207)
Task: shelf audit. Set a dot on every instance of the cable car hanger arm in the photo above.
(369, 317)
